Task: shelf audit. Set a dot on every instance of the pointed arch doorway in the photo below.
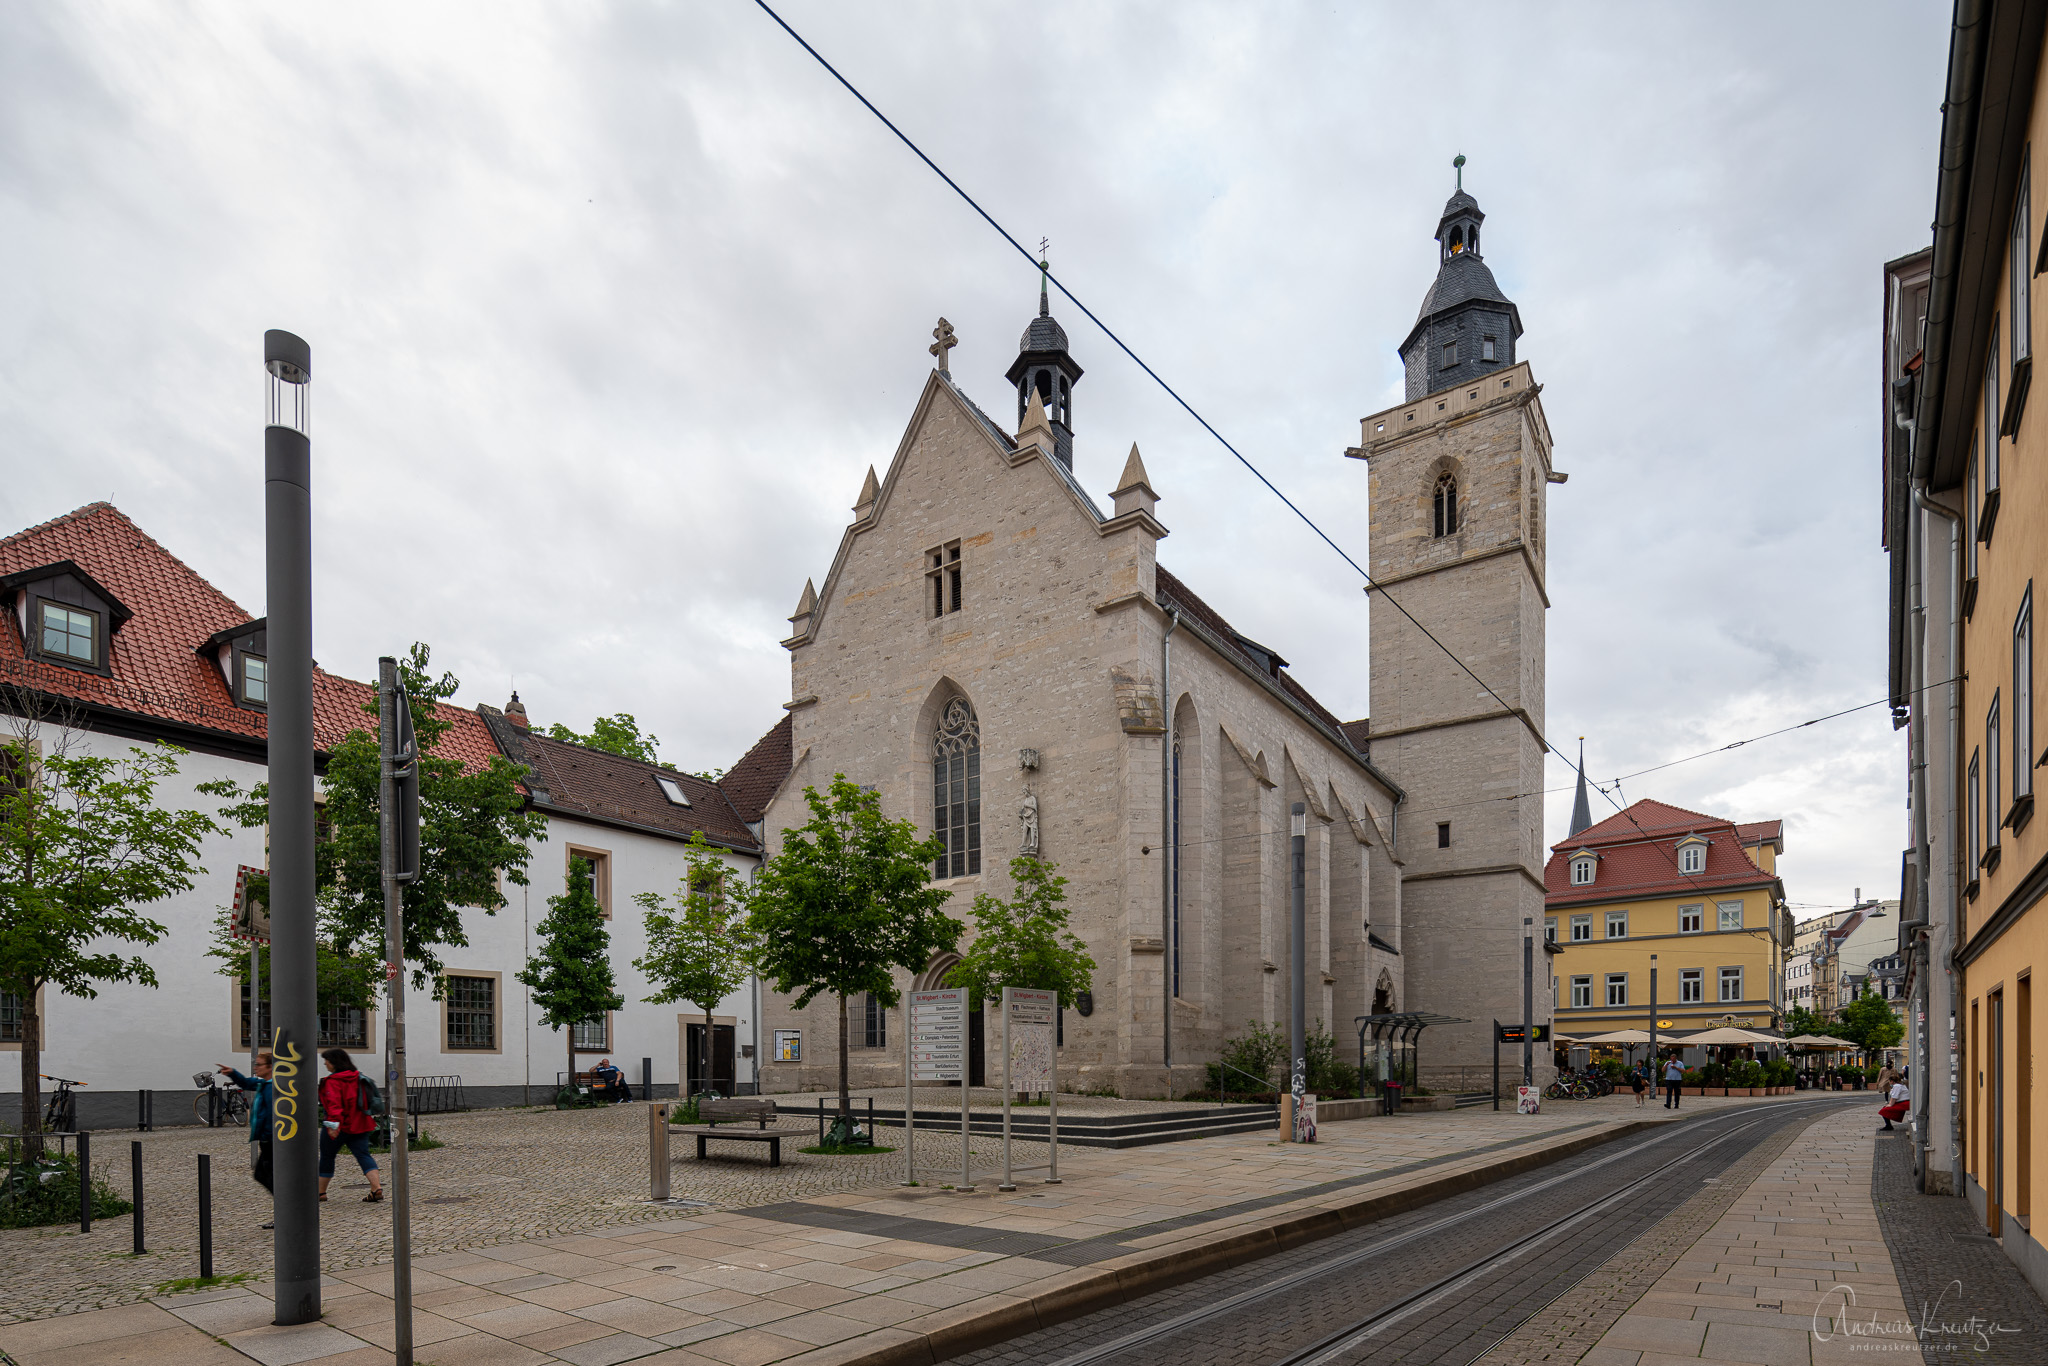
(933, 978)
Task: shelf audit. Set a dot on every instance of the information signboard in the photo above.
(1032, 1017)
(938, 1034)
(1512, 1033)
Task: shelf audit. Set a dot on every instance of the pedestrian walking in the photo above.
(345, 1122)
(1898, 1100)
(1674, 1074)
(1639, 1083)
(259, 1118)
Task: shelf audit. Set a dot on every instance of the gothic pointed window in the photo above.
(956, 790)
(1173, 853)
(1444, 515)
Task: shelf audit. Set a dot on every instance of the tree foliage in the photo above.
(618, 734)
(343, 980)
(1024, 942)
(698, 947)
(474, 828)
(571, 976)
(1870, 1021)
(848, 898)
(83, 847)
(1799, 1020)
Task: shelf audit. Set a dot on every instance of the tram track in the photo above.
(1273, 1321)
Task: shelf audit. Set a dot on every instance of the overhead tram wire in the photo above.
(1371, 584)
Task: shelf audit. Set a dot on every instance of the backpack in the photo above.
(369, 1099)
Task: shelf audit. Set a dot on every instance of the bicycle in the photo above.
(60, 1116)
(219, 1102)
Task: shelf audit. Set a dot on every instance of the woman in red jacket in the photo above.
(345, 1124)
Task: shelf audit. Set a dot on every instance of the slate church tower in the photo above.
(1458, 476)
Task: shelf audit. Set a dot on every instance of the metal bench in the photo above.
(711, 1112)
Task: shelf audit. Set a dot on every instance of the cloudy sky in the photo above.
(612, 305)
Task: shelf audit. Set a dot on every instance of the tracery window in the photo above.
(1445, 507)
(956, 790)
(1174, 854)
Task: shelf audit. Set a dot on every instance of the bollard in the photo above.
(142, 1110)
(871, 1119)
(84, 1182)
(821, 1121)
(135, 1189)
(647, 1079)
(657, 1152)
(205, 1218)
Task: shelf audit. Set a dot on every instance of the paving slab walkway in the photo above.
(879, 1274)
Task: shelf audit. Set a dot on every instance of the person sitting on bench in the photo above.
(609, 1082)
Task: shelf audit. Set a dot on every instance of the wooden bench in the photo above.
(711, 1112)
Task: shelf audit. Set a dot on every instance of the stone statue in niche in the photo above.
(1027, 814)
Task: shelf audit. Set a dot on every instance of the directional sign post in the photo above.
(936, 1050)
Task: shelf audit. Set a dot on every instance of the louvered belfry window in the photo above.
(956, 790)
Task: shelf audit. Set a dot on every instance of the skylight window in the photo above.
(672, 790)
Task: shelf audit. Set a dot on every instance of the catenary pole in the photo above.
(389, 700)
(1653, 1017)
(1528, 1001)
(288, 573)
(1297, 1018)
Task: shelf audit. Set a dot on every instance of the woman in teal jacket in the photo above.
(259, 1116)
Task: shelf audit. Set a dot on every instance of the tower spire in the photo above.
(1458, 165)
(1044, 270)
(1582, 810)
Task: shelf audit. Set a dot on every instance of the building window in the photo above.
(1971, 510)
(1731, 984)
(1582, 871)
(1550, 929)
(1617, 988)
(2023, 696)
(472, 1012)
(70, 633)
(1617, 924)
(1445, 506)
(672, 790)
(1691, 919)
(1486, 348)
(942, 577)
(10, 1017)
(956, 791)
(593, 1035)
(1991, 418)
(2021, 307)
(1976, 808)
(1692, 986)
(874, 1022)
(1173, 867)
(1692, 858)
(1729, 914)
(1582, 993)
(1582, 929)
(1443, 834)
(255, 680)
(1450, 354)
(593, 868)
(1991, 793)
(340, 1027)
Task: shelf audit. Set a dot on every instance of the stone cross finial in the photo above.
(943, 343)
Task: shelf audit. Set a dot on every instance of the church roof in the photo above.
(750, 784)
(1462, 279)
(1044, 334)
(1172, 592)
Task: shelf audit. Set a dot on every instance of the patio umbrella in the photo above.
(1727, 1034)
(1618, 1036)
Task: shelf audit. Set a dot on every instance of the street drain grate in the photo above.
(81, 1201)
(446, 1200)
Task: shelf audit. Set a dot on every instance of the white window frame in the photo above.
(1722, 910)
(1617, 918)
(1584, 870)
(2023, 696)
(1582, 922)
(1697, 914)
(1692, 986)
(1993, 809)
(1617, 989)
(1991, 415)
(1975, 802)
(2019, 306)
(1692, 858)
(1731, 974)
(672, 790)
(1582, 993)
(1550, 929)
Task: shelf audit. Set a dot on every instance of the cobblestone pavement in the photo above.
(741, 1284)
(505, 1175)
(1313, 1301)
(1950, 1272)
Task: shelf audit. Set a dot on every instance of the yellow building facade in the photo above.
(1692, 897)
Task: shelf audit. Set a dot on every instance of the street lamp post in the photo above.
(1297, 1024)
(288, 574)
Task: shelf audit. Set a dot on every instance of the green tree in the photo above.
(697, 945)
(83, 847)
(571, 976)
(344, 981)
(1869, 1021)
(1024, 942)
(614, 735)
(1799, 1020)
(847, 899)
(474, 829)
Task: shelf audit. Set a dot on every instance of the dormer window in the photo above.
(1692, 856)
(1582, 870)
(68, 633)
(255, 681)
(672, 790)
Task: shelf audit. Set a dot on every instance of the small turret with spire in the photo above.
(1467, 326)
(1043, 366)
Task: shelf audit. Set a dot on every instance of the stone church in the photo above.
(1006, 661)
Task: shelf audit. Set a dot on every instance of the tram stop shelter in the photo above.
(1397, 1043)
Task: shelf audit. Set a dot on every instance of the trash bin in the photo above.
(1390, 1098)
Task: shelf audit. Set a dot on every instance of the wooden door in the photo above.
(721, 1078)
(1994, 1130)
(2023, 1101)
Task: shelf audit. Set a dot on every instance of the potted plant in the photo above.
(1691, 1083)
(1714, 1078)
